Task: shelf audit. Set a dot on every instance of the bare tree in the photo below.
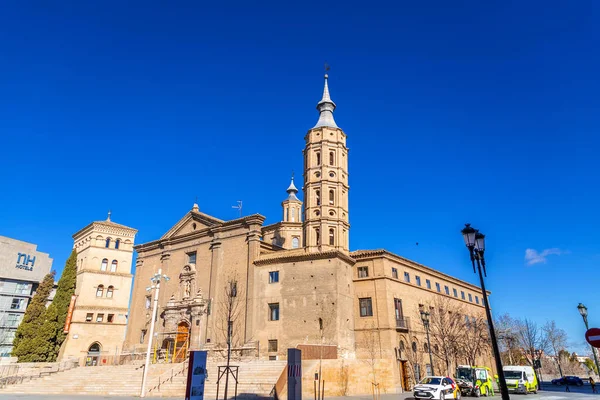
(446, 325)
(371, 345)
(532, 339)
(230, 321)
(506, 331)
(474, 340)
(230, 324)
(557, 341)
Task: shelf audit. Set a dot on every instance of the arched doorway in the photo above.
(93, 355)
(182, 341)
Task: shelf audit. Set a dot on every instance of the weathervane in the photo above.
(327, 67)
(239, 207)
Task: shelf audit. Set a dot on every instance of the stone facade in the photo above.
(99, 319)
(297, 282)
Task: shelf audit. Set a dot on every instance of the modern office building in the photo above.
(22, 268)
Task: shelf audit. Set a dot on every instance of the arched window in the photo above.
(331, 196)
(425, 348)
(109, 292)
(318, 234)
(293, 215)
(318, 196)
(117, 243)
(100, 291)
(113, 266)
(401, 346)
(332, 158)
(331, 237)
(414, 347)
(107, 243)
(104, 264)
(318, 158)
(295, 243)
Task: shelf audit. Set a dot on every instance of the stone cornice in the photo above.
(98, 272)
(105, 227)
(360, 255)
(297, 255)
(101, 308)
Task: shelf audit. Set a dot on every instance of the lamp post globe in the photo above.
(469, 236)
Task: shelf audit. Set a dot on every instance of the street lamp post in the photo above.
(425, 319)
(584, 313)
(156, 278)
(475, 242)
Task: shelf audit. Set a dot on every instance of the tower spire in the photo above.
(292, 190)
(326, 107)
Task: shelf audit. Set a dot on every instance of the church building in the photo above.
(296, 282)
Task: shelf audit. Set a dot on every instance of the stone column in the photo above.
(198, 308)
(216, 264)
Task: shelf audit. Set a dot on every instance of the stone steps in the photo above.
(255, 378)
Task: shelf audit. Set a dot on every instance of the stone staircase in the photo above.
(256, 380)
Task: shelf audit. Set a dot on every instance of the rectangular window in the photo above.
(395, 273)
(12, 320)
(470, 298)
(418, 280)
(89, 317)
(110, 318)
(447, 290)
(148, 302)
(363, 272)
(399, 314)
(273, 276)
(274, 312)
(437, 287)
(366, 307)
(406, 277)
(477, 299)
(455, 292)
(22, 288)
(272, 345)
(17, 304)
(100, 318)
(192, 257)
(272, 358)
(462, 295)
(428, 283)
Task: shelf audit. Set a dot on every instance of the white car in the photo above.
(437, 388)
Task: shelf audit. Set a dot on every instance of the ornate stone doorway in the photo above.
(182, 341)
(93, 355)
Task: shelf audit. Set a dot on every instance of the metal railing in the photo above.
(168, 376)
(13, 374)
(403, 323)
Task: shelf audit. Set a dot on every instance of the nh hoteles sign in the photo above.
(25, 261)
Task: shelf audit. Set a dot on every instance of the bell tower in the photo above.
(326, 225)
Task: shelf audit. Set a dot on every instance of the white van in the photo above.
(520, 379)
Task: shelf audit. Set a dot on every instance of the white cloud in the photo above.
(533, 257)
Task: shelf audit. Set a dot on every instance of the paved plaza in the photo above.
(550, 393)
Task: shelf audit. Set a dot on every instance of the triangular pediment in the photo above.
(191, 222)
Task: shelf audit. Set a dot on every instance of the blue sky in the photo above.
(481, 112)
